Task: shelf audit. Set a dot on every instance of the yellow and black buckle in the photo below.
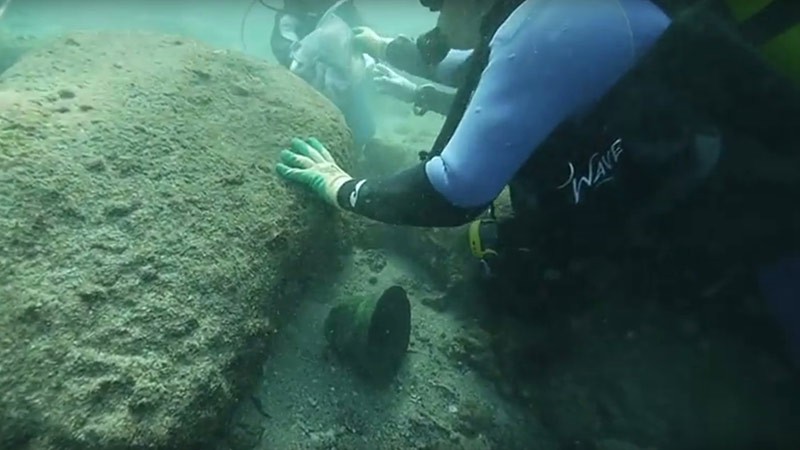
(483, 238)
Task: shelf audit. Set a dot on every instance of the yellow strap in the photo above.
(475, 239)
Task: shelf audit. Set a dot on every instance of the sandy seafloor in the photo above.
(308, 400)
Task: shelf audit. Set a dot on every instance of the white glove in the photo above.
(368, 41)
(392, 83)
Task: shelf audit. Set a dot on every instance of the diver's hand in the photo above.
(311, 164)
(392, 83)
(368, 41)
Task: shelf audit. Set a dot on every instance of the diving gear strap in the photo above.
(483, 238)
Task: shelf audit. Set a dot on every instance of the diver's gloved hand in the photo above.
(389, 82)
(368, 41)
(311, 164)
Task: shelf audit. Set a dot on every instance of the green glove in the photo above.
(311, 164)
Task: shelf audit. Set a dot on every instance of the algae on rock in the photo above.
(145, 239)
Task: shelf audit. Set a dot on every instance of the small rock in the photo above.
(475, 418)
(66, 94)
(148, 274)
(121, 209)
(239, 90)
(439, 303)
(96, 165)
(202, 75)
(375, 261)
(92, 294)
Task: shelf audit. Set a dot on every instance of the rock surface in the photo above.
(145, 242)
(13, 46)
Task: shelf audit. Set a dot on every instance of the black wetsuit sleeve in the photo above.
(402, 53)
(405, 198)
(420, 56)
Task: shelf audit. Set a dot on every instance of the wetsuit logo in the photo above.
(354, 195)
(599, 170)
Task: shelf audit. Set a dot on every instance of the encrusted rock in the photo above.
(145, 239)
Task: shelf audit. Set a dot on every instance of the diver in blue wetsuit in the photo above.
(548, 62)
(424, 97)
(590, 112)
(586, 110)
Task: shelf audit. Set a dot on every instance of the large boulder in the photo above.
(146, 244)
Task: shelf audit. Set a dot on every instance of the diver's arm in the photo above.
(453, 68)
(523, 96)
(406, 55)
(403, 53)
(284, 35)
(425, 97)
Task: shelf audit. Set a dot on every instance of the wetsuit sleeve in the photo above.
(451, 70)
(549, 61)
(404, 54)
(566, 57)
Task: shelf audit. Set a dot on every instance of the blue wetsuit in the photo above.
(449, 71)
(550, 61)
